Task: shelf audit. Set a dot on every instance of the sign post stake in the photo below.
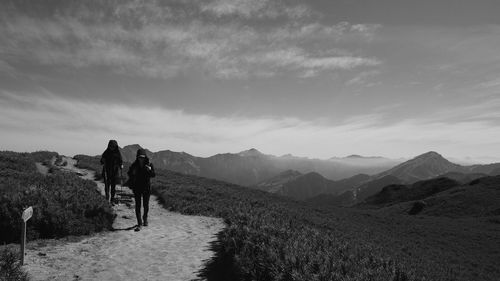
(23, 241)
(25, 216)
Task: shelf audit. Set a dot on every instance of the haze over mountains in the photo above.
(251, 167)
(294, 184)
(303, 186)
(427, 166)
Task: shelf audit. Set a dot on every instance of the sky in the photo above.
(320, 78)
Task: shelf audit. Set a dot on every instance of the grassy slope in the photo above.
(433, 247)
(63, 203)
(272, 238)
(395, 193)
(467, 247)
(459, 225)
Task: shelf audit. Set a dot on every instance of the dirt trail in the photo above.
(42, 169)
(173, 247)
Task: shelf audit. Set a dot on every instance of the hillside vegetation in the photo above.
(10, 266)
(442, 197)
(395, 193)
(272, 238)
(63, 203)
(479, 198)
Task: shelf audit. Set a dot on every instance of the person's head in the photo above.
(112, 145)
(141, 157)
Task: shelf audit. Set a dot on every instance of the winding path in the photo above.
(173, 247)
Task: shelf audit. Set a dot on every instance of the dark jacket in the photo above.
(140, 178)
(112, 160)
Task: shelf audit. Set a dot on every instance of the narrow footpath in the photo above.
(173, 246)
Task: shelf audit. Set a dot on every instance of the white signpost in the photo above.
(27, 214)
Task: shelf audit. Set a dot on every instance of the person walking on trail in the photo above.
(112, 164)
(140, 174)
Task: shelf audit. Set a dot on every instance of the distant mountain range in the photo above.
(353, 178)
(428, 166)
(251, 167)
(431, 164)
(304, 186)
(277, 183)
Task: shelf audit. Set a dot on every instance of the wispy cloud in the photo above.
(295, 58)
(6, 68)
(255, 9)
(155, 39)
(493, 84)
(363, 79)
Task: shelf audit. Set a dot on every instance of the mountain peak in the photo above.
(429, 158)
(250, 152)
(354, 156)
(429, 155)
(132, 146)
(314, 175)
(425, 166)
(357, 156)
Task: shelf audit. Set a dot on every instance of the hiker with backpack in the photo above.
(140, 174)
(112, 164)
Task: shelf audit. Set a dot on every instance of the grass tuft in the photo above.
(10, 266)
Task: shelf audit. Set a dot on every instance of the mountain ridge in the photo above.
(250, 167)
(302, 186)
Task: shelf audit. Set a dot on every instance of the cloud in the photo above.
(485, 111)
(490, 84)
(6, 68)
(367, 30)
(363, 79)
(163, 39)
(298, 59)
(255, 9)
(70, 127)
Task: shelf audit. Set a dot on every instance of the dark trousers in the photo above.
(110, 184)
(144, 197)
